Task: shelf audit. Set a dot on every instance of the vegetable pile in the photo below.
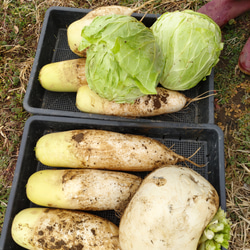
(169, 208)
(125, 63)
(124, 69)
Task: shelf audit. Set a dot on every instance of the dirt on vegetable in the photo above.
(20, 27)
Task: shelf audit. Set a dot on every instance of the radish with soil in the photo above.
(101, 149)
(164, 102)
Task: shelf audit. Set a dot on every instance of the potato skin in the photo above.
(63, 230)
(165, 101)
(169, 211)
(100, 149)
(82, 189)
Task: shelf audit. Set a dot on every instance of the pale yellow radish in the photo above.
(101, 149)
(82, 189)
(63, 76)
(165, 101)
(44, 228)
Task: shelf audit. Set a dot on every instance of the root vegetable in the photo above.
(100, 149)
(166, 101)
(124, 60)
(63, 76)
(169, 211)
(85, 189)
(74, 30)
(43, 228)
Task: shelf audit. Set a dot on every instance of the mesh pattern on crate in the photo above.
(66, 101)
(185, 148)
(59, 101)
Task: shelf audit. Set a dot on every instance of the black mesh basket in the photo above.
(203, 141)
(53, 47)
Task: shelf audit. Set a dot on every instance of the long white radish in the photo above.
(74, 30)
(100, 149)
(63, 76)
(48, 228)
(82, 189)
(165, 101)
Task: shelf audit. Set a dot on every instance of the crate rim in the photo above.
(54, 112)
(86, 121)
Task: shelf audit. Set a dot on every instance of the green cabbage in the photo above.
(191, 45)
(124, 60)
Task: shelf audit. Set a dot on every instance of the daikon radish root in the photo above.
(44, 228)
(63, 76)
(74, 30)
(169, 211)
(82, 189)
(100, 149)
(166, 101)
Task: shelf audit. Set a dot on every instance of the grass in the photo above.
(21, 23)
(233, 116)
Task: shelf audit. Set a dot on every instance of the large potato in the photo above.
(82, 189)
(47, 229)
(169, 211)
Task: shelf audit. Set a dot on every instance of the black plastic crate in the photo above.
(184, 139)
(53, 47)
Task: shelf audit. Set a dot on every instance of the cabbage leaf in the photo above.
(216, 233)
(191, 45)
(124, 61)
